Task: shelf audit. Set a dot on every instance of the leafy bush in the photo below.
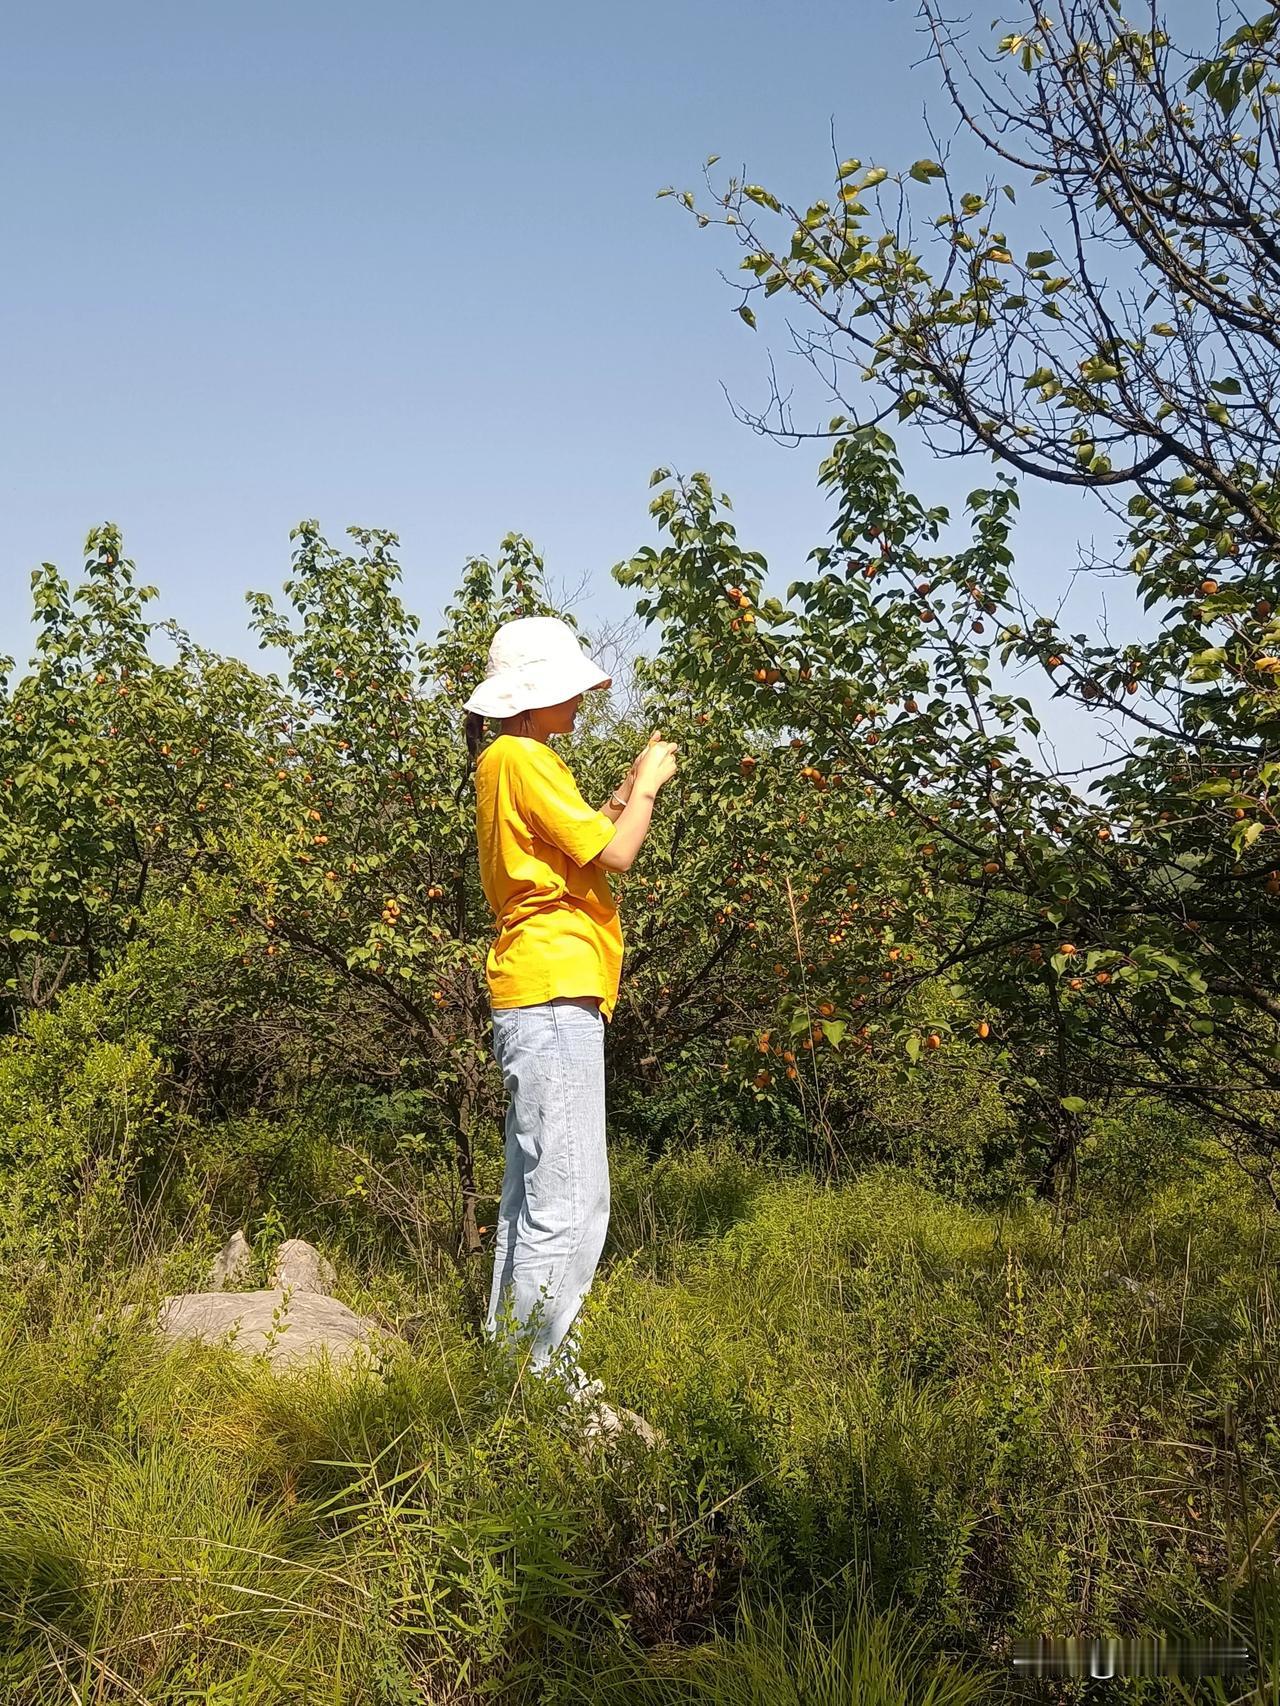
(80, 1115)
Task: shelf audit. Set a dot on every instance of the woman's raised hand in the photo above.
(629, 780)
(656, 765)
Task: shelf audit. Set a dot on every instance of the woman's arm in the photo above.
(633, 825)
(615, 805)
(656, 765)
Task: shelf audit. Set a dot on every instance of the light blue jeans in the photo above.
(554, 1210)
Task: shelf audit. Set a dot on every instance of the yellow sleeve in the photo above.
(557, 812)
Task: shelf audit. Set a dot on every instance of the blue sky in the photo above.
(403, 265)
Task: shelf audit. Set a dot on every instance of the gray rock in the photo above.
(300, 1265)
(289, 1329)
(233, 1264)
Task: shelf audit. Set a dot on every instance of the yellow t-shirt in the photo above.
(558, 928)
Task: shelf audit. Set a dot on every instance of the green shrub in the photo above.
(80, 1115)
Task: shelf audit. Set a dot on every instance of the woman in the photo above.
(553, 971)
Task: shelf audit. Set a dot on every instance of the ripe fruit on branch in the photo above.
(984, 1029)
(933, 1040)
(1208, 588)
(1055, 662)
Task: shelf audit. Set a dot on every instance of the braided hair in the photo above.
(475, 737)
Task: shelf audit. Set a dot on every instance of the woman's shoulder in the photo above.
(518, 752)
(497, 753)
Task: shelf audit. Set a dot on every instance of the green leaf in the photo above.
(745, 313)
(925, 170)
(1073, 1104)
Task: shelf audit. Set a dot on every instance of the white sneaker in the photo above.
(605, 1421)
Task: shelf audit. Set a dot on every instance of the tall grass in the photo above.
(895, 1427)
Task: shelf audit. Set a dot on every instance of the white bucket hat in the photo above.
(533, 662)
